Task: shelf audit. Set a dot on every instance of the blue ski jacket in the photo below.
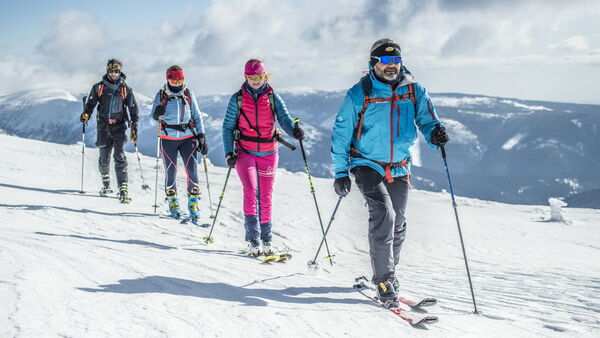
(388, 128)
(180, 109)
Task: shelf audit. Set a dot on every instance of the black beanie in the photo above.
(384, 47)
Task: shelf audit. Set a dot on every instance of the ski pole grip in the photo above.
(443, 149)
(296, 122)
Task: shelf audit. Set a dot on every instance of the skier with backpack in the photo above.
(113, 98)
(372, 135)
(250, 141)
(181, 132)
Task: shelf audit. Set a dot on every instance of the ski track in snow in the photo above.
(83, 265)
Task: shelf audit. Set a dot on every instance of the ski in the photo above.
(408, 316)
(416, 304)
(124, 199)
(274, 257)
(188, 219)
(107, 193)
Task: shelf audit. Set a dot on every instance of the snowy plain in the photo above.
(76, 265)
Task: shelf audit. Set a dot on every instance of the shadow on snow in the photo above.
(226, 292)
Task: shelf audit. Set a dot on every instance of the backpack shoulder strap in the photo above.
(123, 91)
(367, 87)
(271, 96)
(163, 97)
(239, 101)
(100, 89)
(241, 112)
(412, 96)
(411, 93)
(188, 96)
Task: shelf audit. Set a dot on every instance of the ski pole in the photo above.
(312, 190)
(458, 224)
(205, 171)
(208, 239)
(158, 124)
(208, 187)
(84, 99)
(313, 263)
(137, 153)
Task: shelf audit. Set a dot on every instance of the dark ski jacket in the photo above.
(113, 99)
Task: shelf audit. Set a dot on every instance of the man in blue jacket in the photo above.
(372, 135)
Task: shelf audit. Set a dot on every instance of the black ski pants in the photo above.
(112, 139)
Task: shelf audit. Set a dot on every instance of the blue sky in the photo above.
(542, 50)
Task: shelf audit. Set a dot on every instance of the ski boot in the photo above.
(106, 189)
(387, 294)
(266, 248)
(396, 284)
(123, 195)
(173, 203)
(254, 247)
(193, 198)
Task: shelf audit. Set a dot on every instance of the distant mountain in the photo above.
(585, 199)
(502, 149)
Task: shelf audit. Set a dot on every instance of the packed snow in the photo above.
(86, 266)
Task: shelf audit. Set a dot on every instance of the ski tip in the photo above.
(425, 320)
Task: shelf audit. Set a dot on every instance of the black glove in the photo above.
(202, 145)
(298, 133)
(231, 158)
(134, 136)
(158, 111)
(84, 118)
(439, 137)
(342, 186)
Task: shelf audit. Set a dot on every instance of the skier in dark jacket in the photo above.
(113, 97)
(372, 136)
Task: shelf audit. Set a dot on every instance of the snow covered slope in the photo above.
(86, 266)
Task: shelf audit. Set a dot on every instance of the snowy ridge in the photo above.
(74, 265)
(503, 149)
(37, 96)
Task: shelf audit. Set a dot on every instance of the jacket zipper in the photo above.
(256, 111)
(392, 106)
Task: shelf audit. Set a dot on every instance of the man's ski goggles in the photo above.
(113, 66)
(388, 59)
(256, 77)
(116, 71)
(176, 81)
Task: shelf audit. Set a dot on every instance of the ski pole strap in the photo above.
(387, 166)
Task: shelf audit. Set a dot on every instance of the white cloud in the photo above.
(74, 42)
(573, 44)
(325, 44)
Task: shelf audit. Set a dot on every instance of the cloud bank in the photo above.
(460, 46)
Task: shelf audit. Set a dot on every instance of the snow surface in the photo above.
(37, 96)
(513, 141)
(85, 266)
